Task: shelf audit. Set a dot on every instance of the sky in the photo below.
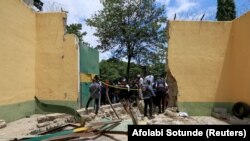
(79, 10)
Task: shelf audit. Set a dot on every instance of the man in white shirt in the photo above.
(149, 77)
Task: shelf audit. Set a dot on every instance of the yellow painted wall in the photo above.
(196, 56)
(70, 67)
(240, 63)
(17, 52)
(36, 56)
(210, 60)
(56, 59)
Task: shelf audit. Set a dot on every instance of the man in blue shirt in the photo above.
(95, 92)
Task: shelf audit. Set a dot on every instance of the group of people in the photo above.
(152, 92)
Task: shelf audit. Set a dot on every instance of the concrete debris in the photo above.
(171, 114)
(49, 127)
(52, 121)
(2, 124)
(50, 117)
(39, 125)
(141, 106)
(86, 118)
(173, 109)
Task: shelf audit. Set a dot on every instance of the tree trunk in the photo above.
(128, 68)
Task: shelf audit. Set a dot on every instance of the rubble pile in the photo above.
(52, 121)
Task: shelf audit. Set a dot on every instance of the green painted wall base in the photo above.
(71, 104)
(20, 110)
(203, 108)
(16, 111)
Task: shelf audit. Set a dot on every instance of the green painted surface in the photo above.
(55, 108)
(84, 93)
(16, 111)
(202, 108)
(71, 104)
(119, 127)
(20, 110)
(89, 60)
(47, 136)
(89, 64)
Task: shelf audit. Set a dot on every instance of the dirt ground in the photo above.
(23, 127)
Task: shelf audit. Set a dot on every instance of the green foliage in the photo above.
(133, 29)
(76, 29)
(114, 69)
(225, 10)
(38, 4)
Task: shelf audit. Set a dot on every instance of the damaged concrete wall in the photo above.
(210, 63)
(56, 59)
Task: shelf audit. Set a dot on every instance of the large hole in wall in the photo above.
(173, 90)
(172, 83)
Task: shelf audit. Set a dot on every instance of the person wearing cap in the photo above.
(95, 92)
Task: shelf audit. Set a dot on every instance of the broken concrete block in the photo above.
(155, 120)
(39, 125)
(50, 117)
(111, 112)
(92, 115)
(44, 118)
(173, 109)
(87, 118)
(171, 114)
(2, 124)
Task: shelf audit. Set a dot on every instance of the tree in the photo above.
(38, 4)
(76, 29)
(130, 28)
(225, 10)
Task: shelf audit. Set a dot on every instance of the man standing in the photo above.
(148, 95)
(140, 80)
(94, 90)
(161, 93)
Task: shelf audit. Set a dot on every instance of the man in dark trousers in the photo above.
(148, 94)
(161, 93)
(95, 92)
